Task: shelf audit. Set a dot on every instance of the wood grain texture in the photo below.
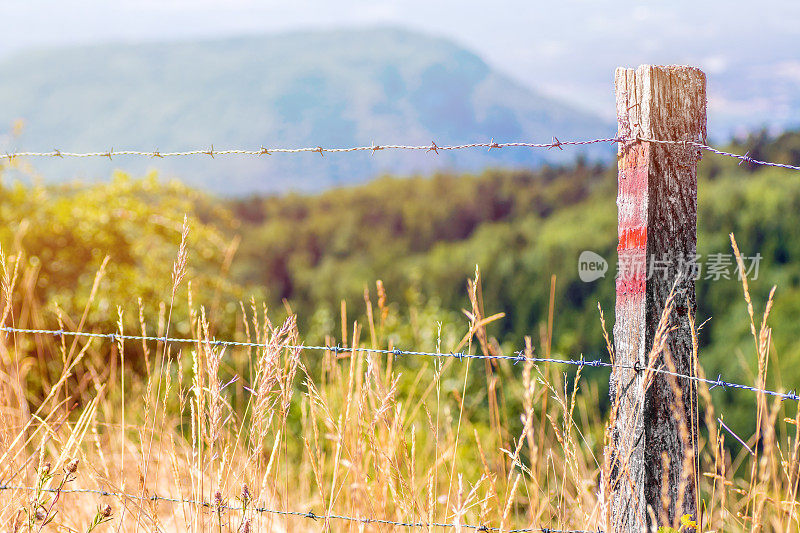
(657, 213)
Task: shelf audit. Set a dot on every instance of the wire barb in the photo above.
(745, 158)
(718, 383)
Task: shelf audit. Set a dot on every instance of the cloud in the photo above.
(715, 64)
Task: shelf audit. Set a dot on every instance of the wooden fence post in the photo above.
(652, 468)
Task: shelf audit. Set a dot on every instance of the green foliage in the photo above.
(62, 235)
(423, 233)
(521, 227)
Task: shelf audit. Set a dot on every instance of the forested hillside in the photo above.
(519, 226)
(424, 236)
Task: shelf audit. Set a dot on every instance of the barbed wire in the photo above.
(742, 158)
(433, 147)
(215, 507)
(212, 152)
(517, 357)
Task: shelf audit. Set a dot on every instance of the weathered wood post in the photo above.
(652, 467)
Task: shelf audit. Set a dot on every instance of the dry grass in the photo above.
(332, 433)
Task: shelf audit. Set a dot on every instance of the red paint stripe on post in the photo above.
(632, 238)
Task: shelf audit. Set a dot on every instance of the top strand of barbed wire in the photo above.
(433, 147)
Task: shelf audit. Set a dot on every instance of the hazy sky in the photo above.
(568, 48)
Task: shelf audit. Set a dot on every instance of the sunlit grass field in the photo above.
(204, 437)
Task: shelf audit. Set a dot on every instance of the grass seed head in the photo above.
(71, 467)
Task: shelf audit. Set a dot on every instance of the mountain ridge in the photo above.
(327, 88)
